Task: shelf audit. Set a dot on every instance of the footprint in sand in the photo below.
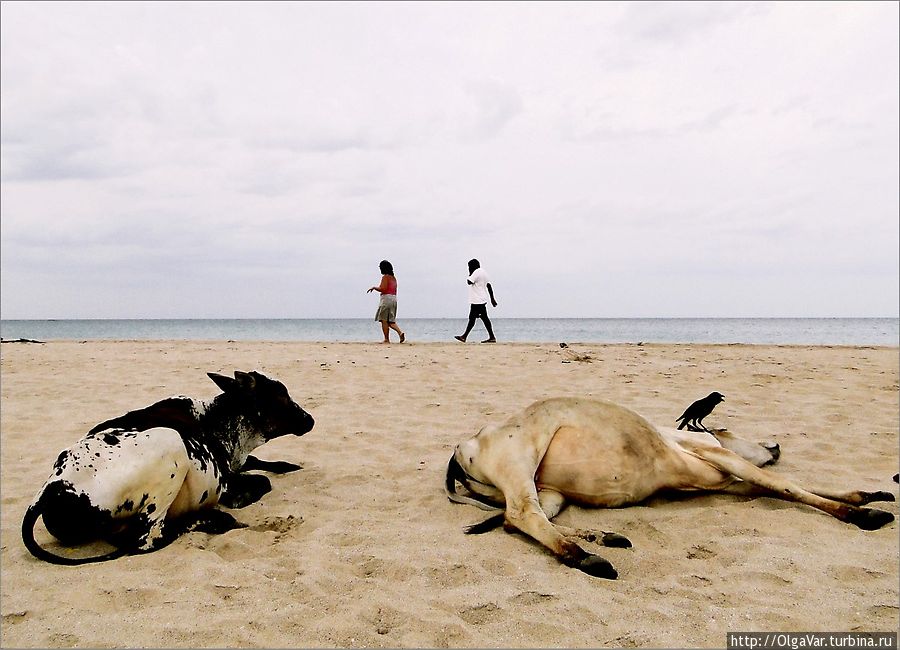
(64, 640)
(500, 567)
(457, 575)
(695, 581)
(481, 614)
(772, 580)
(700, 552)
(386, 619)
(14, 617)
(853, 574)
(278, 524)
(244, 543)
(532, 598)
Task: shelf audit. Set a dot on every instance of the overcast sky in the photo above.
(169, 160)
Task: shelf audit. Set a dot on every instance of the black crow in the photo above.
(694, 414)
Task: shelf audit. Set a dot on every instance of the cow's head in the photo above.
(465, 467)
(266, 403)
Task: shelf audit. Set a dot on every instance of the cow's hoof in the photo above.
(281, 467)
(615, 540)
(870, 518)
(596, 566)
(216, 522)
(774, 449)
(871, 497)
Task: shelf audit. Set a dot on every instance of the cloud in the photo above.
(494, 106)
(677, 22)
(712, 120)
(234, 151)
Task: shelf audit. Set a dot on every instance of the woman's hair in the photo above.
(386, 268)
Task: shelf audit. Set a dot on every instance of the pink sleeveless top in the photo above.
(391, 286)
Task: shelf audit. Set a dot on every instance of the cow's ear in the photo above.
(245, 380)
(225, 383)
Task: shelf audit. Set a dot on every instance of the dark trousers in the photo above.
(476, 312)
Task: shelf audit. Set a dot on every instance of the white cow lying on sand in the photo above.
(595, 453)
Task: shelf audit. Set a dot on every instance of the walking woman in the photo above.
(387, 306)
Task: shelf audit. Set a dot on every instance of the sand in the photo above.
(362, 547)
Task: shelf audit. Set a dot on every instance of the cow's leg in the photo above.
(213, 522)
(156, 536)
(524, 513)
(273, 466)
(758, 453)
(163, 482)
(552, 503)
(243, 489)
(728, 461)
(853, 497)
(165, 531)
(156, 530)
(509, 464)
(160, 532)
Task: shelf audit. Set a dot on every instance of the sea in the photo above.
(775, 331)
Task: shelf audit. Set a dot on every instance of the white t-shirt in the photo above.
(478, 293)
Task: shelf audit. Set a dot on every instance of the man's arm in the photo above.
(491, 293)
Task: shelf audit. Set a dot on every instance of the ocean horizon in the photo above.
(777, 331)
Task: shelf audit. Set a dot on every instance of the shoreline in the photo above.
(362, 547)
(451, 343)
(810, 331)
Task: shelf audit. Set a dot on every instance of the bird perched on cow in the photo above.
(692, 418)
(139, 480)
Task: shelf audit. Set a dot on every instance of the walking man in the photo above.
(479, 291)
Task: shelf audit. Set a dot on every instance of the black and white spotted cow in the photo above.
(140, 480)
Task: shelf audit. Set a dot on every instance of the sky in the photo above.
(258, 160)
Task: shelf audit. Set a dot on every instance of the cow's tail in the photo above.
(456, 473)
(28, 523)
(487, 525)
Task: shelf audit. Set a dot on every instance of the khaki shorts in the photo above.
(387, 309)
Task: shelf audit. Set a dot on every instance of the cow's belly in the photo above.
(610, 468)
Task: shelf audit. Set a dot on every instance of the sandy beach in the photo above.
(363, 548)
